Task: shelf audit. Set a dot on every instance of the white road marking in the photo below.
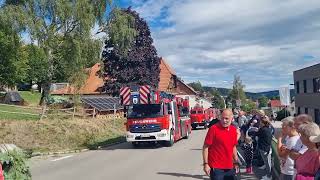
(65, 157)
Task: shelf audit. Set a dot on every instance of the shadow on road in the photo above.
(185, 175)
(196, 149)
(126, 145)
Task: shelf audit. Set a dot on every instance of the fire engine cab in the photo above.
(154, 116)
(201, 116)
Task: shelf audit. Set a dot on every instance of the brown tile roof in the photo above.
(168, 82)
(91, 86)
(275, 103)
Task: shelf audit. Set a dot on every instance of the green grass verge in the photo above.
(32, 98)
(12, 113)
(58, 135)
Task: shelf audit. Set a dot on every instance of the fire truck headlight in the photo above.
(162, 134)
(130, 136)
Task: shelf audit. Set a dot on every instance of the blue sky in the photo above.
(211, 40)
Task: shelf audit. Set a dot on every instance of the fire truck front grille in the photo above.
(145, 128)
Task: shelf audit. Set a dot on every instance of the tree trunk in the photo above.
(45, 94)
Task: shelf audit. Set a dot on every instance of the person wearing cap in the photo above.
(316, 139)
(308, 163)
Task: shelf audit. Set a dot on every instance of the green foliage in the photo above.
(13, 61)
(37, 64)
(275, 98)
(15, 165)
(282, 114)
(62, 31)
(237, 92)
(248, 105)
(121, 30)
(140, 66)
(263, 101)
(217, 100)
(197, 86)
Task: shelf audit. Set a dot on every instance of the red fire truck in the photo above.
(201, 116)
(154, 116)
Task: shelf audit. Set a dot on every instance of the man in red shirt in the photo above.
(219, 149)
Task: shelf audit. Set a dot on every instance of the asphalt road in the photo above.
(122, 162)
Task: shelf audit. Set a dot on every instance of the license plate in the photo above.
(145, 135)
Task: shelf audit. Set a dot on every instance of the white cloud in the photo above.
(211, 40)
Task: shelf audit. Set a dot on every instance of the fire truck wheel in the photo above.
(171, 142)
(135, 144)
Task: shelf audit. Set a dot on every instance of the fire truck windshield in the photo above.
(145, 110)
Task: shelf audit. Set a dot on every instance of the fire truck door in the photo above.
(175, 118)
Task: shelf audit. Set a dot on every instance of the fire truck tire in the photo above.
(171, 142)
(135, 144)
(205, 126)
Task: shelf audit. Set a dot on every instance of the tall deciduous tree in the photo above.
(139, 65)
(237, 92)
(37, 64)
(13, 58)
(217, 100)
(66, 25)
(197, 86)
(263, 101)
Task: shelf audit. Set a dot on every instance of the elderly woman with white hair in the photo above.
(308, 163)
(289, 136)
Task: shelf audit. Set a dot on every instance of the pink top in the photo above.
(308, 163)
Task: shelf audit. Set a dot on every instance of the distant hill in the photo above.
(250, 95)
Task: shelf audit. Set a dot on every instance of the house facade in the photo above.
(307, 87)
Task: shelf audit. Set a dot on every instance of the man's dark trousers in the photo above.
(223, 174)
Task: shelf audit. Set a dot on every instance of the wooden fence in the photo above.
(46, 112)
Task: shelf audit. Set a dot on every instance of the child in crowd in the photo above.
(248, 153)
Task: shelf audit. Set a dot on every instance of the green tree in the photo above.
(248, 105)
(282, 114)
(275, 98)
(197, 86)
(217, 100)
(139, 66)
(237, 92)
(62, 29)
(37, 64)
(263, 101)
(13, 58)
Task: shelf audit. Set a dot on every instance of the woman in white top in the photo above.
(291, 137)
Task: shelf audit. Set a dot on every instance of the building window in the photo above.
(317, 116)
(316, 85)
(297, 87)
(299, 110)
(306, 110)
(305, 86)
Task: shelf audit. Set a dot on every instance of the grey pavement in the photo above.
(122, 162)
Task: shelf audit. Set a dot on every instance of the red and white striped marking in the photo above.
(144, 91)
(125, 94)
